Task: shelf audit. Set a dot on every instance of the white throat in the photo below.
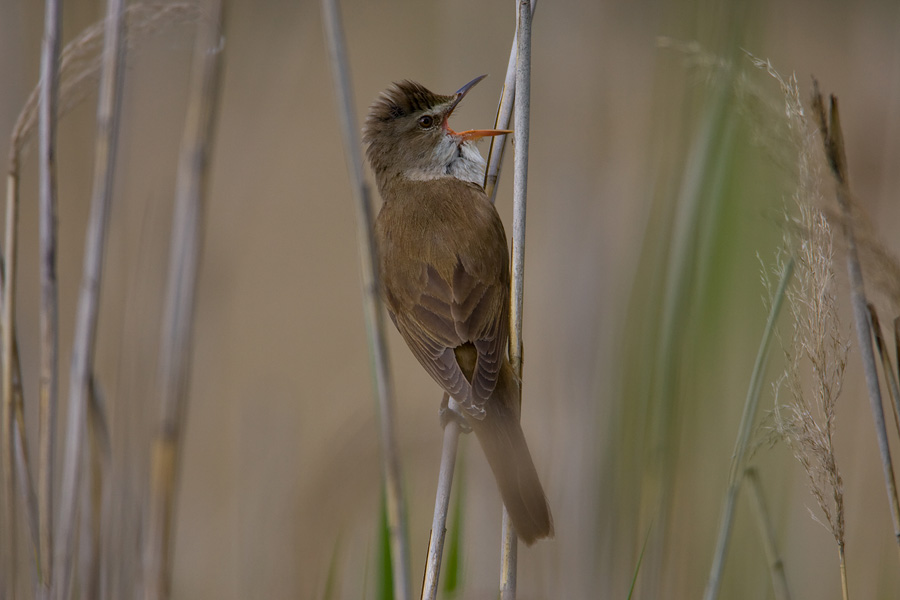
(451, 159)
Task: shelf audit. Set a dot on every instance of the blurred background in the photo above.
(654, 185)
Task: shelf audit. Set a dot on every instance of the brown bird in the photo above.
(445, 278)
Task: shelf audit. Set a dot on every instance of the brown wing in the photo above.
(453, 292)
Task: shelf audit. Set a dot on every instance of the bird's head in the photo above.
(407, 134)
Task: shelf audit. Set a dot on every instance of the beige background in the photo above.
(281, 462)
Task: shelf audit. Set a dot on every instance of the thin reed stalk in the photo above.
(509, 544)
(8, 544)
(368, 254)
(736, 471)
(108, 110)
(441, 505)
(504, 114)
(897, 344)
(49, 297)
(94, 494)
(767, 535)
(188, 226)
(845, 588)
(833, 140)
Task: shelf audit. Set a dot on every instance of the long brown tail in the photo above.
(504, 445)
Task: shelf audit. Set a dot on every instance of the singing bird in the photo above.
(444, 267)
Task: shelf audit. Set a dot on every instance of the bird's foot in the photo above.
(451, 411)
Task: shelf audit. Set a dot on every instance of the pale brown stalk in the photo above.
(178, 317)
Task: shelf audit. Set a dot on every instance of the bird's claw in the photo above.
(451, 412)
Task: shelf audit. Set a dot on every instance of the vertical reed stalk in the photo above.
(441, 505)
(845, 590)
(368, 254)
(509, 554)
(49, 300)
(188, 226)
(767, 534)
(8, 544)
(504, 113)
(108, 109)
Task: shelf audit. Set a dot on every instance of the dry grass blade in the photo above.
(108, 109)
(372, 310)
(178, 317)
(49, 299)
(889, 375)
(832, 137)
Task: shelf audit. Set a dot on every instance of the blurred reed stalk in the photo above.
(372, 306)
(188, 227)
(78, 68)
(108, 111)
(833, 140)
(95, 496)
(767, 535)
(738, 456)
(49, 297)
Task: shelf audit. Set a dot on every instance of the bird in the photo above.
(445, 279)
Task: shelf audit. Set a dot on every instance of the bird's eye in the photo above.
(426, 121)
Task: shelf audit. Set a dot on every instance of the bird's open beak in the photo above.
(472, 134)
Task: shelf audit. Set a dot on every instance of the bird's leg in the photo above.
(452, 411)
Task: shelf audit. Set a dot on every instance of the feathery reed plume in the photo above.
(807, 421)
(816, 354)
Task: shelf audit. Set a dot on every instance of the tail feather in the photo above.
(503, 442)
